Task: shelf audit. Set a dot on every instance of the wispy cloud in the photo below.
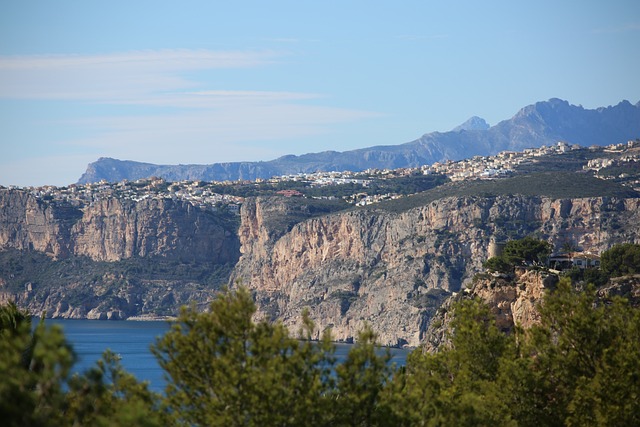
(184, 116)
(150, 59)
(114, 76)
(212, 135)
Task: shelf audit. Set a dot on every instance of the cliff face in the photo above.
(515, 301)
(393, 270)
(113, 258)
(114, 229)
(389, 268)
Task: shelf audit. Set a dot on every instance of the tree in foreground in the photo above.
(360, 381)
(224, 369)
(579, 367)
(36, 388)
(457, 385)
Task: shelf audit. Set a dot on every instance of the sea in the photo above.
(131, 340)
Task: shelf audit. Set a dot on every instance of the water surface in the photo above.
(132, 340)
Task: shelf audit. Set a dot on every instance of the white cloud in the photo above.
(176, 59)
(181, 118)
(121, 76)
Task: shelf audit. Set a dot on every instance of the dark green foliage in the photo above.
(106, 395)
(621, 260)
(360, 381)
(457, 386)
(595, 276)
(406, 184)
(499, 264)
(226, 370)
(294, 210)
(33, 367)
(631, 169)
(36, 390)
(578, 367)
(573, 161)
(557, 185)
(524, 251)
(527, 250)
(37, 268)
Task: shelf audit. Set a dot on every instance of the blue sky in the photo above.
(202, 82)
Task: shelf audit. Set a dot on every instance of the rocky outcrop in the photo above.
(113, 229)
(393, 270)
(108, 296)
(515, 300)
(388, 266)
(112, 258)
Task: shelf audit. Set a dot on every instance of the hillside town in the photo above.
(203, 194)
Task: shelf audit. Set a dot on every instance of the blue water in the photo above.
(132, 341)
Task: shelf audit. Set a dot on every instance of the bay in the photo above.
(131, 340)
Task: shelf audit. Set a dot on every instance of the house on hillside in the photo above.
(567, 260)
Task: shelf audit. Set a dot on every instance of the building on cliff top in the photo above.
(582, 260)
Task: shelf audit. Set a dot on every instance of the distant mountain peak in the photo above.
(474, 123)
(542, 123)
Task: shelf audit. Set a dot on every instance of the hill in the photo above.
(542, 123)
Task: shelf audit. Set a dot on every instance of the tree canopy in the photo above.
(621, 260)
(578, 366)
(527, 250)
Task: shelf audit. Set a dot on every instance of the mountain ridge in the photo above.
(538, 124)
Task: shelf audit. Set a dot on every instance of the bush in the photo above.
(621, 260)
(499, 264)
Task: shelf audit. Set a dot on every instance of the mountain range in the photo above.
(542, 123)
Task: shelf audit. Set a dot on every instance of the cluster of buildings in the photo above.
(500, 165)
(203, 195)
(626, 154)
(321, 179)
(197, 193)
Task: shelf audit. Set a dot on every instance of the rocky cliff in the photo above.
(393, 270)
(391, 265)
(515, 299)
(113, 229)
(111, 258)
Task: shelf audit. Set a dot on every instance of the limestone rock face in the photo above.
(389, 268)
(113, 258)
(515, 301)
(114, 229)
(393, 270)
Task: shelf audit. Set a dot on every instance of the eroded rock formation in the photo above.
(393, 270)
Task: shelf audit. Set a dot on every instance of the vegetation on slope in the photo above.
(557, 185)
(376, 185)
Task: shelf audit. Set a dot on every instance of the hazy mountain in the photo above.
(542, 123)
(474, 123)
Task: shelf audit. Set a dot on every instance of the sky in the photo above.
(200, 82)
